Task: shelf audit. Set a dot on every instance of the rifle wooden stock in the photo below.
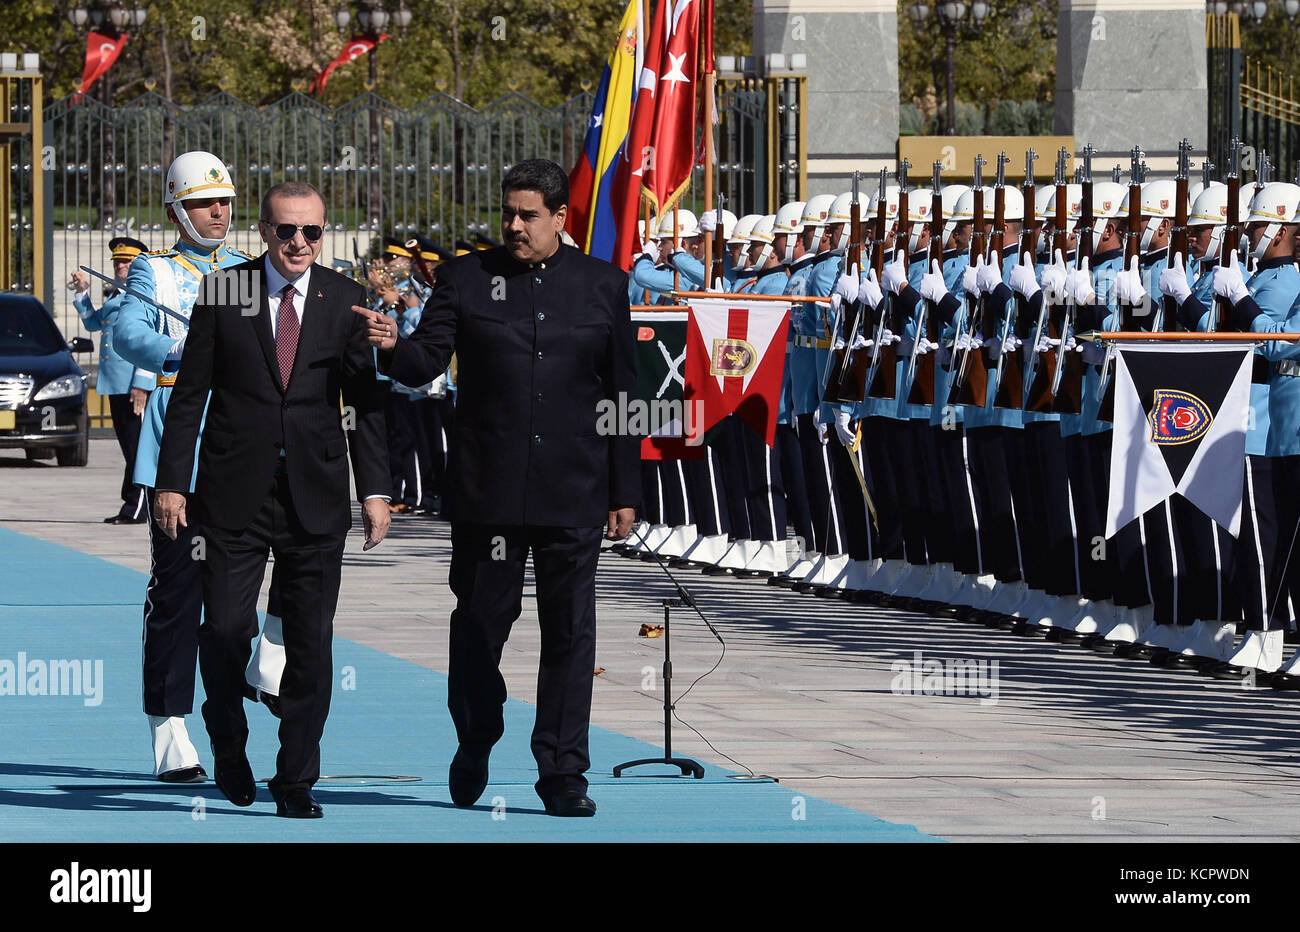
(847, 384)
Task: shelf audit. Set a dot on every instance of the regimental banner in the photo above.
(735, 359)
(1180, 426)
(670, 429)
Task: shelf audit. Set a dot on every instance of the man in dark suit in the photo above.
(275, 343)
(544, 339)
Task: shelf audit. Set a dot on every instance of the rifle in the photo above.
(1178, 235)
(922, 374)
(1067, 367)
(1008, 364)
(970, 378)
(1221, 312)
(843, 383)
(716, 271)
(882, 374)
(1127, 312)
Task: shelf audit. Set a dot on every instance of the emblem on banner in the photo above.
(732, 357)
(1178, 417)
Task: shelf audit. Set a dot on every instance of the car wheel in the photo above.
(79, 454)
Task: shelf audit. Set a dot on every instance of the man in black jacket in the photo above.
(544, 340)
(275, 344)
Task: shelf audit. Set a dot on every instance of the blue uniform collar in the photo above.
(201, 253)
(1275, 263)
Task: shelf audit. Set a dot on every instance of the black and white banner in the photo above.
(1180, 426)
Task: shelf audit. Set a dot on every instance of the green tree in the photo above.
(1013, 58)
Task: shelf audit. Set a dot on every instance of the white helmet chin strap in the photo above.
(763, 255)
(1149, 232)
(1270, 231)
(183, 218)
(1216, 244)
(842, 244)
(788, 256)
(914, 240)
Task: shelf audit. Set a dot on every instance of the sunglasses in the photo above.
(284, 232)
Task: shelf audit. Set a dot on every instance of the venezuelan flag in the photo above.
(591, 220)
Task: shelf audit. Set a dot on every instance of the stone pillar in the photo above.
(1132, 72)
(851, 51)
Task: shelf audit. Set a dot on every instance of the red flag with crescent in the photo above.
(354, 49)
(101, 52)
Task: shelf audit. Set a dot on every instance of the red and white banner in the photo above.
(735, 360)
(101, 52)
(356, 47)
(672, 142)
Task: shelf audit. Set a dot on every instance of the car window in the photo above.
(26, 330)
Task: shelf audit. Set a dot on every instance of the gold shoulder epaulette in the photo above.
(161, 252)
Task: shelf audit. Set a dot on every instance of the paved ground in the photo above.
(1069, 745)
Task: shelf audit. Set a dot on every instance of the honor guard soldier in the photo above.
(198, 199)
(1268, 303)
(126, 388)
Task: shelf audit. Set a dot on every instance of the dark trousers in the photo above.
(487, 578)
(308, 567)
(1096, 564)
(126, 427)
(708, 498)
(999, 549)
(824, 509)
(1050, 485)
(173, 605)
(950, 448)
(879, 434)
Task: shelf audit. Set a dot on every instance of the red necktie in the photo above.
(286, 336)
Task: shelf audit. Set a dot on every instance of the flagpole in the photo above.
(710, 76)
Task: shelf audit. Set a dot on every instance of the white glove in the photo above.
(1078, 284)
(925, 346)
(1023, 280)
(888, 337)
(895, 276)
(847, 437)
(1128, 285)
(847, 288)
(1228, 282)
(988, 277)
(708, 221)
(1011, 343)
(933, 287)
(869, 292)
(650, 249)
(819, 424)
(970, 277)
(1054, 278)
(1173, 281)
(968, 341)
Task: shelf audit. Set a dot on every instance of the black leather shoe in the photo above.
(195, 774)
(297, 803)
(467, 777)
(234, 777)
(570, 804)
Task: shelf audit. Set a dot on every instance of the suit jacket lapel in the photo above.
(262, 326)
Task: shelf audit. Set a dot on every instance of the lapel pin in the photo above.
(319, 295)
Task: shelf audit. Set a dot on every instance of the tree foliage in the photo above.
(261, 50)
(1012, 59)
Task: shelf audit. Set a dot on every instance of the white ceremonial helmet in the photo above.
(762, 233)
(743, 227)
(964, 209)
(194, 175)
(840, 212)
(1159, 200)
(1210, 208)
(789, 219)
(951, 195)
(816, 215)
(919, 203)
(728, 222)
(1013, 204)
(1274, 204)
(1108, 198)
(687, 225)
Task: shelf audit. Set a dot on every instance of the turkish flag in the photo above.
(672, 143)
(101, 52)
(735, 360)
(636, 152)
(356, 47)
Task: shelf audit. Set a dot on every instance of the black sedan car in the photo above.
(42, 389)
